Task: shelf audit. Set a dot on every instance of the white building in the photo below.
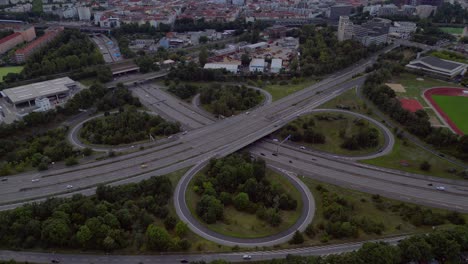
(233, 68)
(438, 67)
(84, 13)
(403, 29)
(276, 65)
(345, 28)
(43, 104)
(257, 65)
(55, 90)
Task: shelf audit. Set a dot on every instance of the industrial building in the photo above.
(35, 94)
(233, 68)
(257, 65)
(276, 65)
(438, 67)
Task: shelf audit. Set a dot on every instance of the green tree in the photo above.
(241, 201)
(84, 236)
(181, 229)
(55, 232)
(203, 57)
(379, 253)
(158, 238)
(415, 249)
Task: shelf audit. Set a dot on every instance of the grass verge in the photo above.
(278, 91)
(12, 69)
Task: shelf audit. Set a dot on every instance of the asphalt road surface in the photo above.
(307, 214)
(170, 107)
(84, 258)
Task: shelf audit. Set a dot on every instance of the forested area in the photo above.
(193, 72)
(71, 50)
(430, 34)
(306, 129)
(227, 100)
(183, 91)
(126, 126)
(417, 123)
(240, 182)
(36, 151)
(322, 53)
(451, 13)
(24, 142)
(132, 215)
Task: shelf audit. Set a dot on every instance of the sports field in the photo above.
(452, 30)
(456, 107)
(5, 70)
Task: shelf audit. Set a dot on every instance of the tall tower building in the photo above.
(345, 28)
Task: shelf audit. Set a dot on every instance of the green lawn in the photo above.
(5, 70)
(346, 99)
(456, 107)
(245, 225)
(414, 87)
(332, 129)
(414, 155)
(278, 91)
(452, 30)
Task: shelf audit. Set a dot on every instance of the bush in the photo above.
(297, 238)
(70, 161)
(425, 166)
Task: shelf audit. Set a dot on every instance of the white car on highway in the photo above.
(275, 140)
(440, 188)
(34, 180)
(247, 257)
(69, 186)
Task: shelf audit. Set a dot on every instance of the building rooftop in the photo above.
(440, 63)
(257, 63)
(32, 91)
(9, 37)
(276, 63)
(227, 66)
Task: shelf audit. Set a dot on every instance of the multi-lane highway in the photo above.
(217, 139)
(38, 257)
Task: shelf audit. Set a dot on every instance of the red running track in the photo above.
(445, 91)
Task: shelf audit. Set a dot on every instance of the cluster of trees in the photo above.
(71, 50)
(34, 150)
(367, 137)
(341, 219)
(100, 97)
(146, 64)
(126, 126)
(183, 91)
(226, 100)
(193, 72)
(451, 13)
(322, 53)
(240, 182)
(114, 218)
(428, 33)
(304, 129)
(416, 123)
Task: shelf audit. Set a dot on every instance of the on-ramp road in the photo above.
(307, 214)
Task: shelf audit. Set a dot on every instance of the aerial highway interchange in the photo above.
(210, 138)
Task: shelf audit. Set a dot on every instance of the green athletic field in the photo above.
(456, 107)
(5, 70)
(452, 30)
